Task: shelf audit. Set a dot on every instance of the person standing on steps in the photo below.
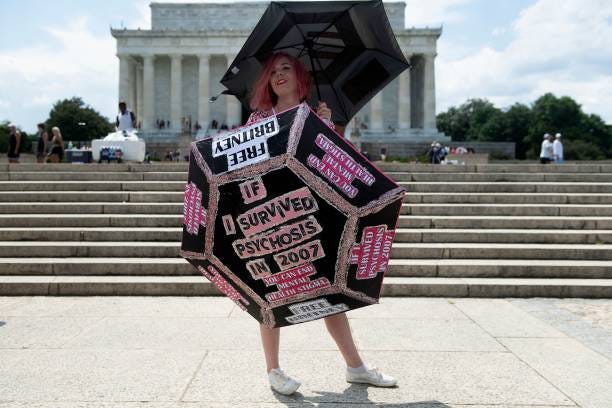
(42, 145)
(558, 149)
(56, 153)
(283, 84)
(126, 119)
(546, 150)
(14, 144)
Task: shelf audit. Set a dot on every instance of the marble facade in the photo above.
(170, 71)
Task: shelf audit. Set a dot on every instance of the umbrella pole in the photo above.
(314, 73)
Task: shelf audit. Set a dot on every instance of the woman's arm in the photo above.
(18, 141)
(45, 138)
(325, 113)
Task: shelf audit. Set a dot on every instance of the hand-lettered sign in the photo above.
(288, 220)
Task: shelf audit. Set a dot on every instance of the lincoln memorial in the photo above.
(168, 73)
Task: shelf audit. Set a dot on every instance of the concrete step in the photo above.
(600, 252)
(90, 196)
(502, 187)
(92, 186)
(90, 220)
(507, 198)
(502, 177)
(497, 168)
(91, 208)
(392, 286)
(403, 235)
(95, 167)
(169, 234)
(86, 266)
(510, 236)
(500, 268)
(59, 249)
(505, 222)
(574, 167)
(29, 249)
(576, 210)
(405, 221)
(94, 176)
(458, 268)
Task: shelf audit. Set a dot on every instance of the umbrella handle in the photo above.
(214, 98)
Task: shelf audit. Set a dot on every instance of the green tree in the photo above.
(584, 136)
(78, 121)
(466, 121)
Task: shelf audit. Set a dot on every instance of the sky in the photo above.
(506, 51)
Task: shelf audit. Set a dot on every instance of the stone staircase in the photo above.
(505, 230)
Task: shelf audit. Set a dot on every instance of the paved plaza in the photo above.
(70, 352)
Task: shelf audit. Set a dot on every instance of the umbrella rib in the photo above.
(334, 20)
(331, 85)
(389, 55)
(293, 20)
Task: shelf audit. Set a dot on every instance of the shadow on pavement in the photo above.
(356, 395)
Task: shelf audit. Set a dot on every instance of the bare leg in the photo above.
(270, 339)
(340, 330)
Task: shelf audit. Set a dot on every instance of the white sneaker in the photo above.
(371, 376)
(282, 383)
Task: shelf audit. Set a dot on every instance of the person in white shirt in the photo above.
(558, 149)
(126, 119)
(546, 151)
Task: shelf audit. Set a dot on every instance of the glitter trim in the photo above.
(213, 208)
(362, 297)
(274, 163)
(321, 187)
(349, 235)
(192, 255)
(295, 133)
(383, 201)
(267, 318)
(201, 162)
(256, 298)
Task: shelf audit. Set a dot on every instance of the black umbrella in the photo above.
(348, 46)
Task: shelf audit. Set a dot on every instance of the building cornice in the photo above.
(138, 33)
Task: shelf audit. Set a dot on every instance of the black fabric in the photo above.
(340, 238)
(12, 153)
(348, 46)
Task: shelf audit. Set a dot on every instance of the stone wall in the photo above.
(231, 16)
(408, 149)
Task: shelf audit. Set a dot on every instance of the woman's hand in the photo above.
(323, 111)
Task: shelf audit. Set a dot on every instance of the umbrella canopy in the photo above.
(289, 221)
(348, 47)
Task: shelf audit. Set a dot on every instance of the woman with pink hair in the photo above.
(283, 84)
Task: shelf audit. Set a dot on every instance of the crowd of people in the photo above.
(49, 149)
(438, 153)
(552, 149)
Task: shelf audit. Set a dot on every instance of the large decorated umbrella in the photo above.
(288, 220)
(348, 46)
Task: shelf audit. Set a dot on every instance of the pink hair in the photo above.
(263, 97)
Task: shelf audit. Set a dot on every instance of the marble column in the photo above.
(131, 100)
(429, 93)
(148, 89)
(124, 77)
(204, 90)
(376, 115)
(234, 108)
(404, 110)
(139, 94)
(176, 92)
